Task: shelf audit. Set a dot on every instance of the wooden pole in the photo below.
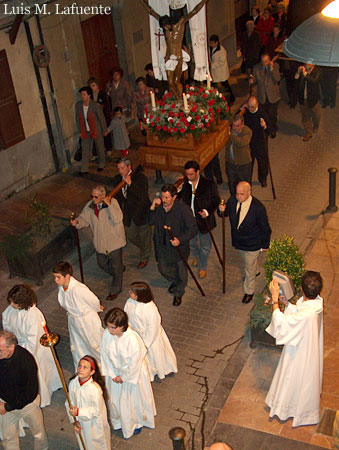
(122, 183)
(223, 250)
(169, 230)
(49, 340)
(269, 164)
(77, 241)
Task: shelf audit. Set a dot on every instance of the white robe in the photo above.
(145, 319)
(296, 385)
(84, 324)
(131, 403)
(26, 325)
(92, 414)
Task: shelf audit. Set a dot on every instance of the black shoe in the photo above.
(247, 298)
(263, 183)
(273, 135)
(100, 169)
(83, 173)
(171, 288)
(177, 301)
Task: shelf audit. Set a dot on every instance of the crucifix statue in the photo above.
(174, 34)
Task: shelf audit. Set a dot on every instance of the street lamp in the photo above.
(316, 41)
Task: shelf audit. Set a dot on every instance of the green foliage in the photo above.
(260, 315)
(14, 246)
(284, 255)
(38, 216)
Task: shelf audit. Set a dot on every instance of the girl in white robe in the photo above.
(123, 352)
(145, 319)
(24, 319)
(296, 385)
(82, 306)
(87, 391)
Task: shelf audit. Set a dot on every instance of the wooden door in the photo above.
(101, 52)
(11, 129)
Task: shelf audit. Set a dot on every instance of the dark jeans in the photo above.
(213, 170)
(141, 237)
(111, 263)
(258, 152)
(236, 173)
(175, 273)
(272, 111)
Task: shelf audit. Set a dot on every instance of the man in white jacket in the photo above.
(105, 218)
(219, 66)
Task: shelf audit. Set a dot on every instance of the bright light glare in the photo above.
(331, 10)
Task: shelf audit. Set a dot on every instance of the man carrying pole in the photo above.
(172, 212)
(202, 196)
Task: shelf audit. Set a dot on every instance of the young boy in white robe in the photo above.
(87, 392)
(144, 318)
(123, 362)
(82, 306)
(296, 385)
(23, 318)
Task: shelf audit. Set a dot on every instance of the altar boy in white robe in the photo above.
(145, 319)
(82, 306)
(123, 362)
(296, 386)
(23, 318)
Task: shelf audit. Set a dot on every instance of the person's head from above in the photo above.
(238, 123)
(98, 194)
(276, 30)
(116, 321)
(124, 166)
(93, 83)
(311, 284)
(21, 296)
(86, 368)
(252, 104)
(214, 41)
(309, 67)
(250, 26)
(141, 292)
(85, 94)
(117, 111)
(220, 446)
(265, 59)
(149, 69)
(243, 191)
(255, 11)
(141, 83)
(8, 342)
(273, 3)
(168, 195)
(62, 273)
(117, 74)
(281, 7)
(165, 22)
(192, 171)
(266, 14)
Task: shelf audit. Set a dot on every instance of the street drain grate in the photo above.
(326, 424)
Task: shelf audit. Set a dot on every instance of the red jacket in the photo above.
(265, 28)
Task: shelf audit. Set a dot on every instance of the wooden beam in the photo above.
(13, 32)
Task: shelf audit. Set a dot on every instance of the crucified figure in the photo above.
(174, 33)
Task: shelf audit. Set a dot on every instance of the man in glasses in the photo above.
(105, 218)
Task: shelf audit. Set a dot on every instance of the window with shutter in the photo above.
(11, 129)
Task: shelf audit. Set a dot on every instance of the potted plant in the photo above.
(283, 255)
(48, 240)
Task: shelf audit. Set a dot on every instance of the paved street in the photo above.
(206, 332)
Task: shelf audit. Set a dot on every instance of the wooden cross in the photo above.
(159, 34)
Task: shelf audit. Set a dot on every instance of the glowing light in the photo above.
(331, 10)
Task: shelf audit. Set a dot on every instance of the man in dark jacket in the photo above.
(202, 196)
(173, 213)
(257, 120)
(250, 232)
(308, 77)
(19, 393)
(134, 202)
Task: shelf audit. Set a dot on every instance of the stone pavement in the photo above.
(209, 334)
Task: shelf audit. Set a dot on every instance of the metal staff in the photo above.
(209, 230)
(76, 234)
(169, 230)
(49, 340)
(223, 249)
(269, 164)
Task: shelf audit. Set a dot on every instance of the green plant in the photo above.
(14, 246)
(284, 255)
(38, 216)
(260, 314)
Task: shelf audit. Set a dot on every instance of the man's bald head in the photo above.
(220, 446)
(252, 103)
(243, 191)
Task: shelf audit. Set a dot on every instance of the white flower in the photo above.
(187, 96)
(147, 120)
(169, 119)
(189, 118)
(202, 111)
